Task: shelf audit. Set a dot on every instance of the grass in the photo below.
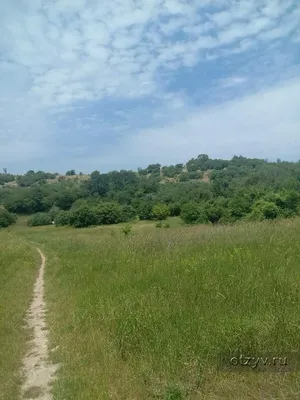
(17, 273)
(150, 315)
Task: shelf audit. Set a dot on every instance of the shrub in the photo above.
(160, 211)
(83, 217)
(128, 213)
(6, 218)
(39, 219)
(53, 212)
(215, 213)
(159, 225)
(191, 213)
(126, 229)
(167, 226)
(78, 203)
(108, 213)
(62, 218)
(175, 210)
(264, 210)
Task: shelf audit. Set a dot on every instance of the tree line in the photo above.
(236, 189)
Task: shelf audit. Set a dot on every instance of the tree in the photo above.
(192, 213)
(62, 218)
(144, 209)
(128, 213)
(6, 218)
(108, 213)
(160, 211)
(71, 172)
(264, 210)
(83, 217)
(39, 219)
(54, 210)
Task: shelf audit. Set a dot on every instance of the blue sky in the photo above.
(120, 84)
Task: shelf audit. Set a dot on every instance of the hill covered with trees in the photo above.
(203, 190)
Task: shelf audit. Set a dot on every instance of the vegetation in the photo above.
(203, 190)
(154, 318)
(17, 274)
(39, 219)
(146, 313)
(6, 218)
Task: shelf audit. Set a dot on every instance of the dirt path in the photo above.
(37, 371)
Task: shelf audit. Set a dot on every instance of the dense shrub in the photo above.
(62, 218)
(53, 212)
(175, 209)
(126, 230)
(108, 213)
(83, 217)
(160, 211)
(39, 219)
(264, 210)
(6, 218)
(128, 213)
(192, 213)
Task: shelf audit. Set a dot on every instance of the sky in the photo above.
(120, 84)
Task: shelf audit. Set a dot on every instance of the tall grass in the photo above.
(149, 315)
(18, 266)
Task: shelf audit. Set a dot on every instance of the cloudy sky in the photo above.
(112, 84)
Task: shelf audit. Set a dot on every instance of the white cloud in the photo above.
(265, 124)
(232, 81)
(61, 56)
(69, 42)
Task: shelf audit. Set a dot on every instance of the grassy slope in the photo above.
(147, 316)
(17, 273)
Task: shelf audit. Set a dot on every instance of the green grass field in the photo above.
(18, 267)
(148, 316)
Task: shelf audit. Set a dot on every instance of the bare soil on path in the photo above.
(38, 372)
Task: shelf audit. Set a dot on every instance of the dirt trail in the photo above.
(37, 371)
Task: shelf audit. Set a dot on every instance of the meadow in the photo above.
(18, 261)
(150, 315)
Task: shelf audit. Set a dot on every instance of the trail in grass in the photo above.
(38, 372)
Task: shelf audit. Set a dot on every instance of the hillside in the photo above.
(200, 190)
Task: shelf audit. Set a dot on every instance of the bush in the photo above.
(78, 203)
(264, 210)
(83, 217)
(126, 229)
(160, 211)
(39, 219)
(62, 218)
(159, 225)
(6, 218)
(192, 213)
(53, 212)
(167, 226)
(184, 177)
(108, 213)
(175, 210)
(215, 213)
(128, 213)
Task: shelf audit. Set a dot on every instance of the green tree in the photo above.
(6, 218)
(71, 172)
(83, 217)
(108, 213)
(192, 213)
(63, 218)
(53, 212)
(160, 211)
(264, 210)
(39, 219)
